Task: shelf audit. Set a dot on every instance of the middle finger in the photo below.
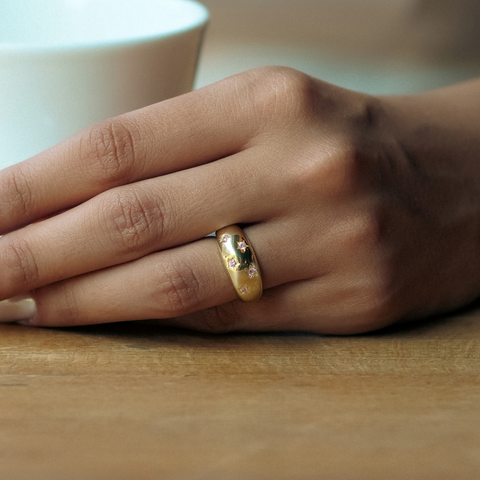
(173, 135)
(129, 222)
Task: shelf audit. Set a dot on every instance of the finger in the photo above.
(129, 222)
(174, 135)
(164, 285)
(324, 305)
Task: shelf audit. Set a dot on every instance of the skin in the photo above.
(363, 210)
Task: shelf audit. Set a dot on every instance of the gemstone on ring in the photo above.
(242, 246)
(232, 263)
(239, 260)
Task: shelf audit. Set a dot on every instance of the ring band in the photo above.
(239, 259)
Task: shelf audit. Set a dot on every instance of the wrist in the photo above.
(437, 147)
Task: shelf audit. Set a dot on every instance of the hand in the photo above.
(352, 230)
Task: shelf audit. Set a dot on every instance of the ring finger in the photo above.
(164, 284)
(129, 222)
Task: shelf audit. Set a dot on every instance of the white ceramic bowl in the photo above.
(66, 64)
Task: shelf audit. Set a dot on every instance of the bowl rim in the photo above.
(32, 48)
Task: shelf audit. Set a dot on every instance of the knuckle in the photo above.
(110, 152)
(282, 93)
(297, 92)
(19, 196)
(363, 233)
(338, 165)
(20, 264)
(329, 171)
(178, 290)
(134, 221)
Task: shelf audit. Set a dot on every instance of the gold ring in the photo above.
(241, 263)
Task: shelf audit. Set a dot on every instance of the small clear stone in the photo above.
(232, 263)
(244, 289)
(242, 246)
(224, 238)
(252, 271)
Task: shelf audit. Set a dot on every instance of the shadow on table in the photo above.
(149, 329)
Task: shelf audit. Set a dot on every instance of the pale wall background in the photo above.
(376, 46)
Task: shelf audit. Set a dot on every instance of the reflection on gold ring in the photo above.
(241, 263)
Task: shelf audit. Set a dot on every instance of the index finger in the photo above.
(173, 135)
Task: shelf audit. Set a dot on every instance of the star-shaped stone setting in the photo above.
(224, 238)
(242, 246)
(244, 290)
(252, 271)
(232, 263)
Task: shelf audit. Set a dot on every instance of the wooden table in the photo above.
(136, 401)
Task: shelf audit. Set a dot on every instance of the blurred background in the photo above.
(374, 46)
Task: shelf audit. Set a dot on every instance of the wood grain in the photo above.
(136, 401)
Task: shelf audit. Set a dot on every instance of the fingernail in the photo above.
(19, 308)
